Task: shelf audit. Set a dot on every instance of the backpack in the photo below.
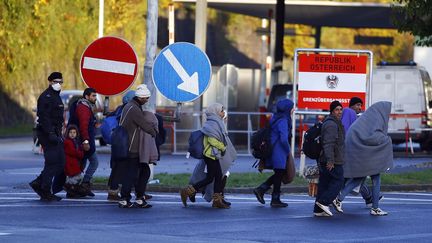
(261, 145)
(120, 141)
(312, 141)
(109, 124)
(196, 144)
(73, 119)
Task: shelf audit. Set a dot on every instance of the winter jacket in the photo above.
(74, 155)
(81, 115)
(50, 110)
(148, 151)
(348, 118)
(134, 121)
(280, 125)
(332, 139)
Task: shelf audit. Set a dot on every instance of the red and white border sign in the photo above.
(323, 78)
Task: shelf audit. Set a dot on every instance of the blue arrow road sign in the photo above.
(182, 72)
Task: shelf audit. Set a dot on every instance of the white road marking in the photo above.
(105, 65)
(2, 234)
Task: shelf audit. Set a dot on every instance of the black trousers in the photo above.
(115, 175)
(135, 174)
(275, 180)
(54, 161)
(214, 172)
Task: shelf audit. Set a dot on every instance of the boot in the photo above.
(47, 196)
(218, 201)
(36, 186)
(87, 186)
(276, 202)
(224, 201)
(260, 191)
(224, 181)
(187, 192)
(113, 195)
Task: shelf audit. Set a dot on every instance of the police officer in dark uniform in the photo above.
(50, 110)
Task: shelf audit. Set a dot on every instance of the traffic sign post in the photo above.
(109, 65)
(182, 72)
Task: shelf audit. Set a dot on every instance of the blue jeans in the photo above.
(329, 185)
(352, 183)
(376, 187)
(91, 168)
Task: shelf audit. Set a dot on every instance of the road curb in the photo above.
(284, 189)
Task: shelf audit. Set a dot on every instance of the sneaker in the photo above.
(369, 201)
(147, 196)
(141, 203)
(322, 214)
(324, 208)
(378, 212)
(125, 204)
(337, 205)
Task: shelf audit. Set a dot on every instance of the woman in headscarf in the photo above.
(368, 152)
(219, 153)
(280, 124)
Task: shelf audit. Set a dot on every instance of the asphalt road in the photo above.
(25, 219)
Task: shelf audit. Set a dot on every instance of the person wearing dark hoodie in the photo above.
(113, 181)
(215, 146)
(280, 124)
(330, 162)
(368, 152)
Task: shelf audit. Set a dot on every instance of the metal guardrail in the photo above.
(197, 121)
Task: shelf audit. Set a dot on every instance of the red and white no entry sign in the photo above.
(109, 65)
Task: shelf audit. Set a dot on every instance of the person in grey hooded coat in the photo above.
(369, 151)
(215, 148)
(226, 162)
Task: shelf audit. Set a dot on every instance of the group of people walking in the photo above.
(65, 157)
(353, 149)
(348, 158)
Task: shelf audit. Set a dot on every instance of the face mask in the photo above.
(225, 115)
(56, 86)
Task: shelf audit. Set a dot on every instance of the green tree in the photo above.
(415, 17)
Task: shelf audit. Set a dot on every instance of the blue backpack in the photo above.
(196, 144)
(110, 123)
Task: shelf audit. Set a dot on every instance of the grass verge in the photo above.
(17, 130)
(237, 180)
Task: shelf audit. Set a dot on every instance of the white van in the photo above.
(409, 89)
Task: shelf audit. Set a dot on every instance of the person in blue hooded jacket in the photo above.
(280, 124)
